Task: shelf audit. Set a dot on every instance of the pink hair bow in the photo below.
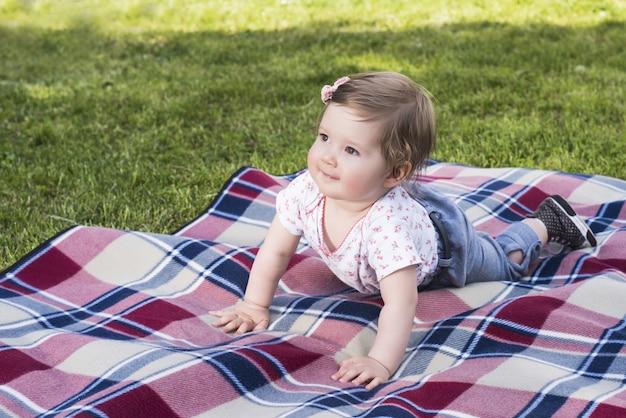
(328, 91)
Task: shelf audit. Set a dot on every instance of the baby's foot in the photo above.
(563, 225)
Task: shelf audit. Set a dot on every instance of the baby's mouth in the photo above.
(325, 174)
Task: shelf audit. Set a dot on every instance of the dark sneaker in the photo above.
(562, 223)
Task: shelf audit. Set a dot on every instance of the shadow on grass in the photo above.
(247, 86)
(452, 59)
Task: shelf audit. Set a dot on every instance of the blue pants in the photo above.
(468, 256)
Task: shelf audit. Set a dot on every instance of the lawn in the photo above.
(132, 114)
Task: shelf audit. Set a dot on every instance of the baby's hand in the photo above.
(362, 370)
(242, 317)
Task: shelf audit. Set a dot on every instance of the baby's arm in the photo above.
(399, 293)
(252, 313)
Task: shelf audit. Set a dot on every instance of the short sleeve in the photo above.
(290, 204)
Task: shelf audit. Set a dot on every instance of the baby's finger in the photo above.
(261, 325)
(228, 323)
(343, 369)
(373, 383)
(233, 324)
(245, 326)
(223, 318)
(349, 375)
(362, 377)
(337, 375)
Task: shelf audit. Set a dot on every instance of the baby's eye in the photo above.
(352, 151)
(323, 137)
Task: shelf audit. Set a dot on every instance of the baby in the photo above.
(379, 233)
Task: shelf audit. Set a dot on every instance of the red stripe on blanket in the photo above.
(531, 312)
(607, 410)
(592, 266)
(242, 191)
(155, 315)
(434, 396)
(14, 363)
(139, 402)
(244, 259)
(51, 268)
(291, 357)
(260, 179)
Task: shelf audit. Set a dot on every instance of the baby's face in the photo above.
(345, 160)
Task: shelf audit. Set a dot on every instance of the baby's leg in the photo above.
(517, 256)
(506, 257)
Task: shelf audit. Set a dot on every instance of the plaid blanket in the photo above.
(104, 322)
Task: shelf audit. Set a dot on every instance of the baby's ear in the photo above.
(398, 174)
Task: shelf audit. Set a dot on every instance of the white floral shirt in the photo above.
(395, 233)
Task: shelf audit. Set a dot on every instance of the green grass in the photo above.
(132, 114)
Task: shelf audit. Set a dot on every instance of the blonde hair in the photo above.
(406, 112)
